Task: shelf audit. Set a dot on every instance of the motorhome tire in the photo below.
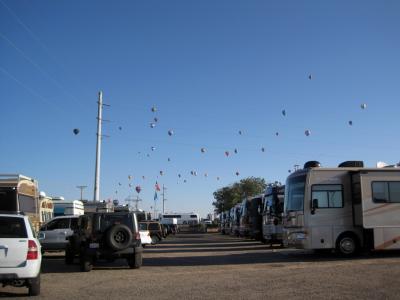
(347, 244)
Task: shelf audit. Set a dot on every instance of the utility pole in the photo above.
(81, 187)
(163, 198)
(100, 120)
(137, 202)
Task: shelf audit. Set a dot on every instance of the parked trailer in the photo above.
(182, 218)
(67, 207)
(235, 219)
(344, 208)
(20, 193)
(46, 208)
(272, 228)
(244, 228)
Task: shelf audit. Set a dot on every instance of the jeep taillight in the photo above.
(32, 250)
(137, 235)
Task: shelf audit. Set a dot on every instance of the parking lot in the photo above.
(198, 266)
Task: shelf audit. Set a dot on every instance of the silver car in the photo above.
(54, 234)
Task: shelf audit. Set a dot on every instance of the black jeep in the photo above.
(105, 236)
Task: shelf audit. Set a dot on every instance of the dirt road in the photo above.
(213, 266)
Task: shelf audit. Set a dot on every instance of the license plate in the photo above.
(94, 245)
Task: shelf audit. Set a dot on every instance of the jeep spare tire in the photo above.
(119, 237)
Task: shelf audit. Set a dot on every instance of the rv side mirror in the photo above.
(41, 236)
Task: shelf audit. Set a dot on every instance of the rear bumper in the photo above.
(111, 253)
(53, 246)
(30, 270)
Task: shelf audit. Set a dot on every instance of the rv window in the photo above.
(8, 199)
(386, 191)
(26, 203)
(328, 195)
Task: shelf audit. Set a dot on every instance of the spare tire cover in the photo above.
(119, 237)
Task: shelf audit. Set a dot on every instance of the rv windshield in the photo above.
(294, 193)
(8, 199)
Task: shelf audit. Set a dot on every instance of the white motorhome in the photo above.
(67, 207)
(182, 218)
(343, 208)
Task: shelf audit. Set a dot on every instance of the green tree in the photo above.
(228, 196)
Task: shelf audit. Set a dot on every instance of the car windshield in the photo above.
(142, 226)
(12, 227)
(111, 219)
(294, 193)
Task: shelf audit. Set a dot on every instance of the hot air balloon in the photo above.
(153, 109)
(184, 181)
(217, 178)
(277, 133)
(191, 173)
(226, 153)
(290, 171)
(262, 149)
(148, 155)
(76, 131)
(119, 183)
(169, 159)
(195, 173)
(120, 127)
(310, 76)
(130, 185)
(307, 132)
(363, 106)
(129, 177)
(179, 175)
(235, 151)
(155, 119)
(284, 113)
(240, 132)
(152, 125)
(203, 150)
(161, 173)
(205, 175)
(153, 148)
(350, 123)
(143, 177)
(138, 189)
(237, 173)
(170, 132)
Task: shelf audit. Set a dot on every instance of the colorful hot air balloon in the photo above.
(237, 173)
(218, 178)
(205, 175)
(350, 122)
(143, 177)
(129, 177)
(363, 106)
(155, 119)
(169, 159)
(240, 132)
(152, 125)
(76, 131)
(203, 150)
(235, 151)
(138, 189)
(153, 109)
(307, 132)
(130, 185)
(161, 173)
(284, 112)
(184, 181)
(153, 148)
(120, 127)
(277, 133)
(170, 132)
(262, 149)
(226, 153)
(310, 76)
(119, 183)
(179, 175)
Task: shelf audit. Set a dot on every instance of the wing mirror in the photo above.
(314, 206)
(41, 236)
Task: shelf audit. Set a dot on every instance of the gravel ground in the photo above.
(213, 266)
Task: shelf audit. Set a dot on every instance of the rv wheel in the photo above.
(347, 245)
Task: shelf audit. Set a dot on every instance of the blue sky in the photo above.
(211, 68)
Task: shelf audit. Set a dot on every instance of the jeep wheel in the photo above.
(86, 265)
(135, 261)
(34, 286)
(69, 256)
(119, 237)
